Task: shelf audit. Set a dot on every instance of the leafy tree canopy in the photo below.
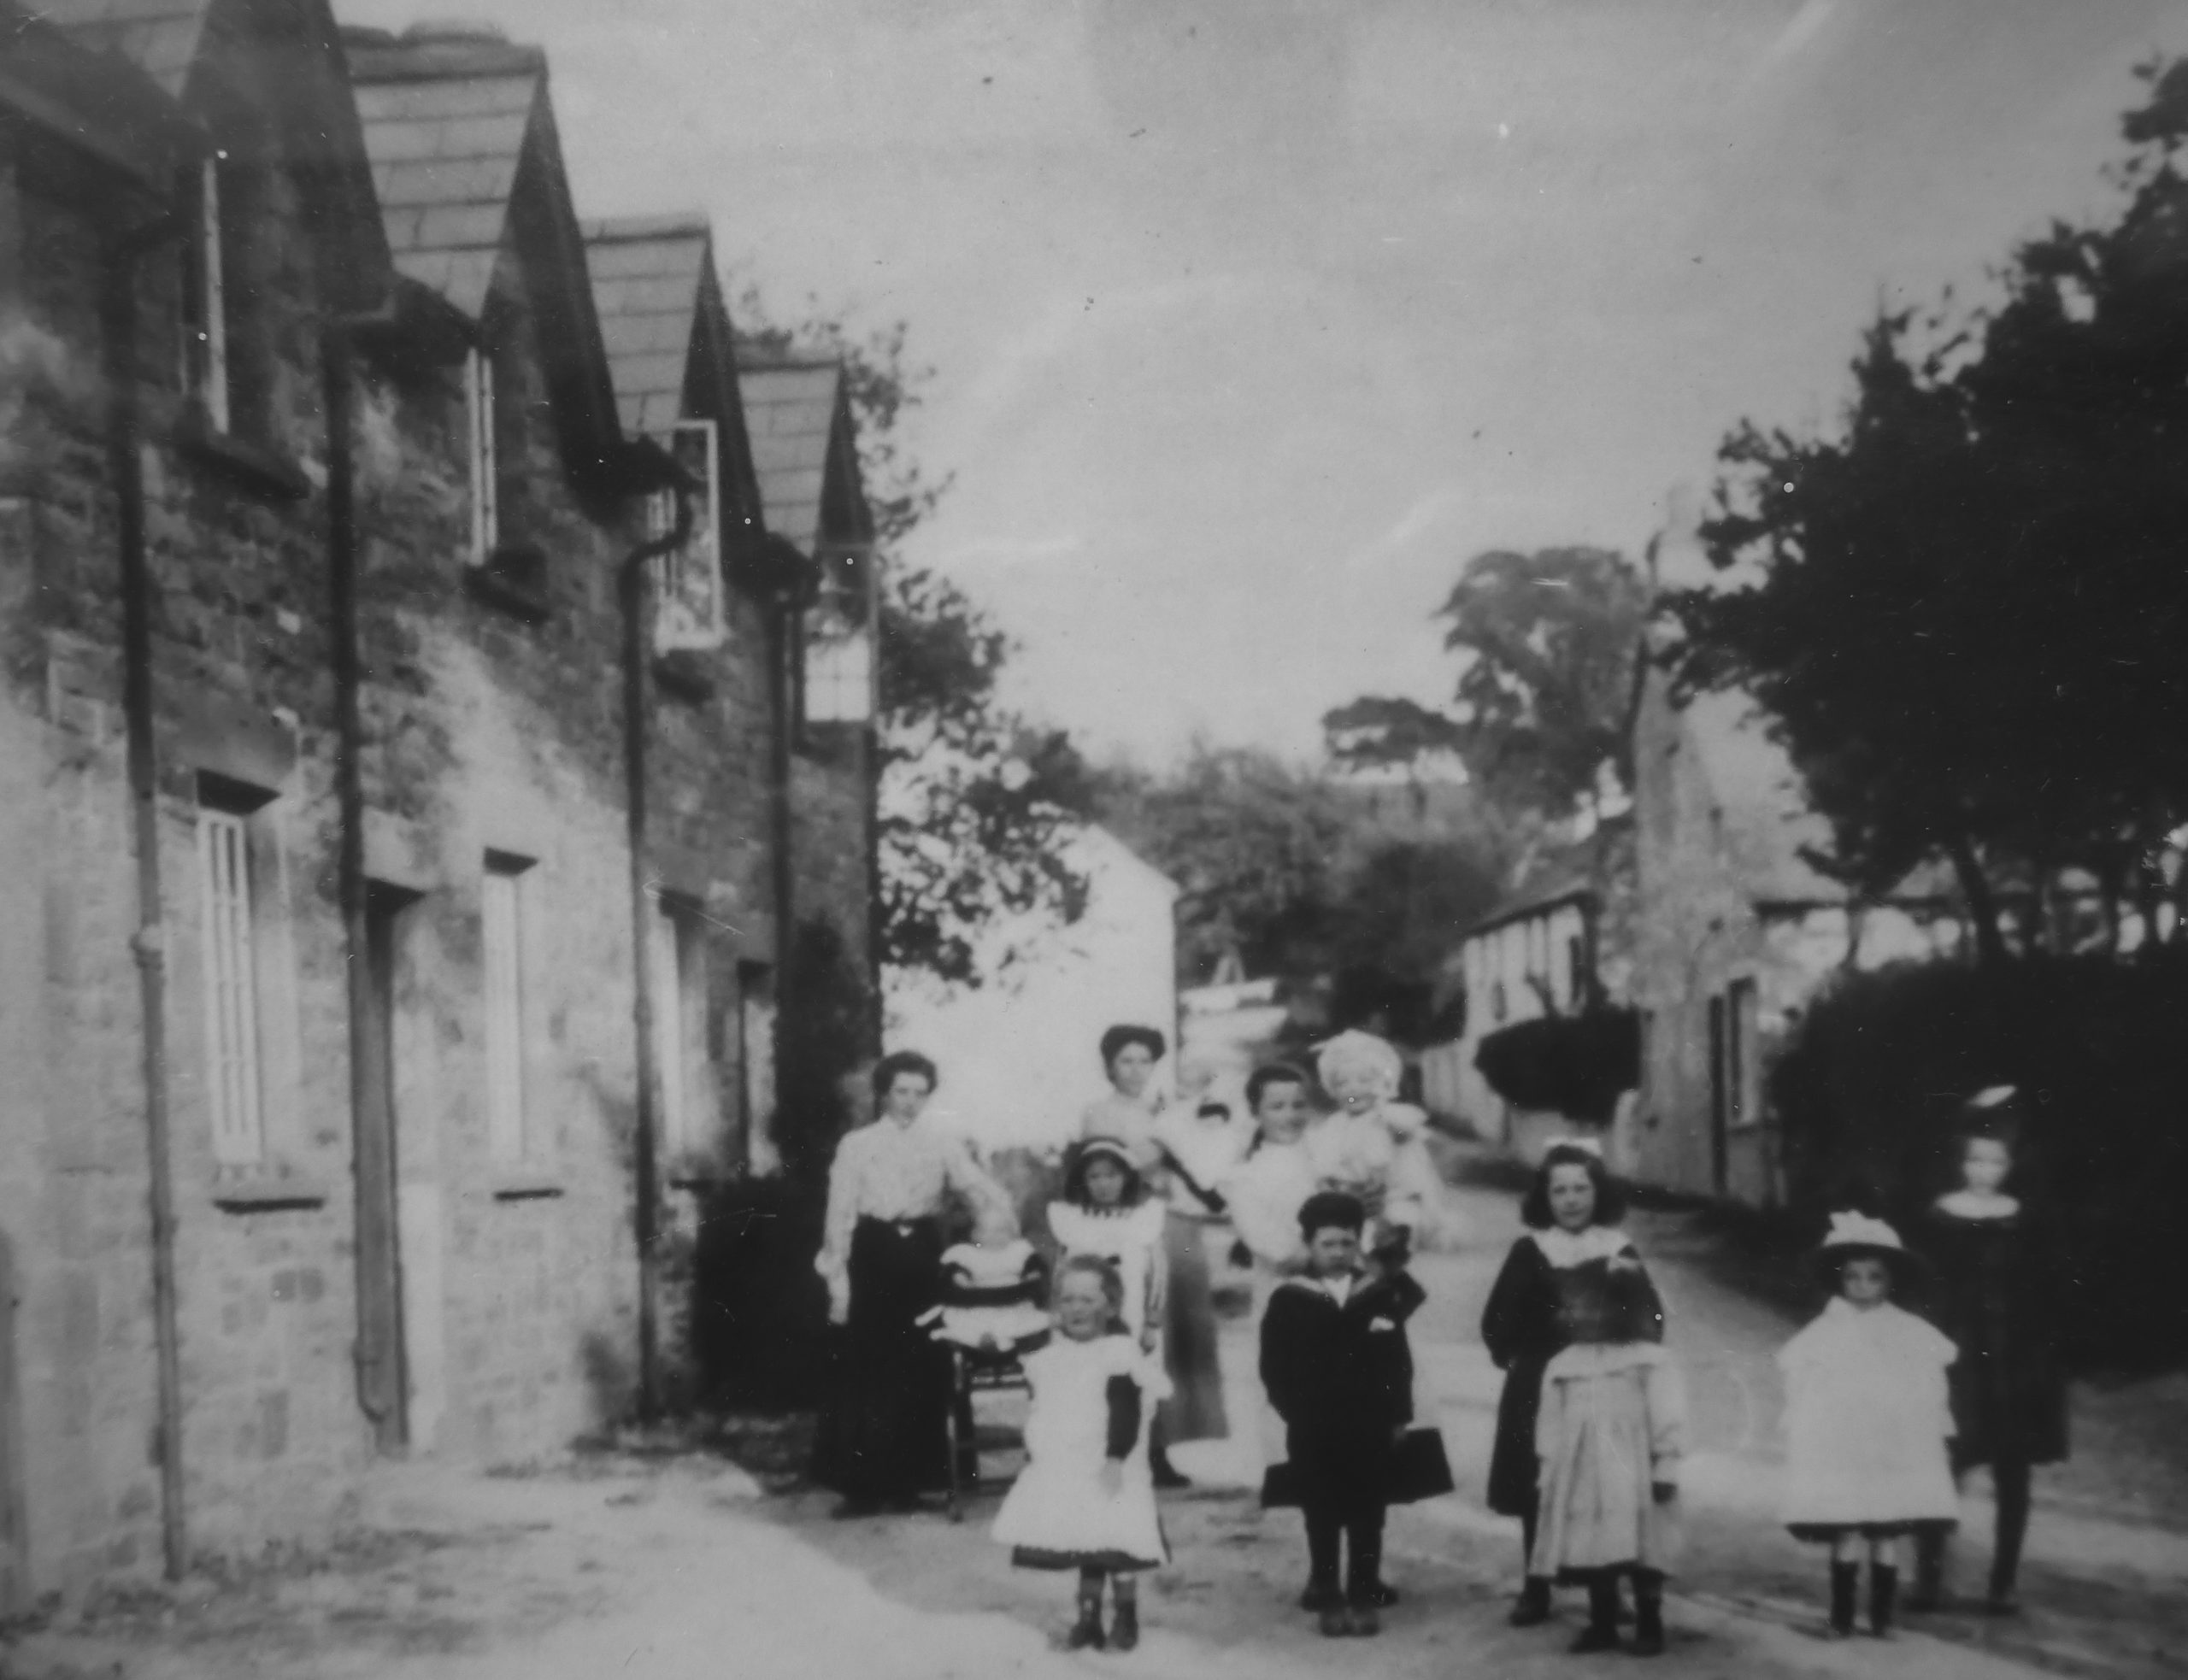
(1548, 641)
(1971, 597)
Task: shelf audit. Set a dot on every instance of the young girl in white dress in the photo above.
(1867, 1421)
(1107, 1213)
(1086, 1500)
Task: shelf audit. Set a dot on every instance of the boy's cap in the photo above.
(1325, 1209)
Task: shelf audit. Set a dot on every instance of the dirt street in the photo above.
(674, 1564)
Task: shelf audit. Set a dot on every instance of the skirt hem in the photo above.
(1892, 1530)
(1112, 1561)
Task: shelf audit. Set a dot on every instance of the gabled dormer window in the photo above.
(486, 455)
(839, 642)
(687, 583)
(204, 311)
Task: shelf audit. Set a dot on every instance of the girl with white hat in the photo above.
(1867, 1420)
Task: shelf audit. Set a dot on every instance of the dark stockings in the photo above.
(2009, 1488)
(1363, 1537)
(2010, 1493)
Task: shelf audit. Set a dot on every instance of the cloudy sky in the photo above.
(1252, 319)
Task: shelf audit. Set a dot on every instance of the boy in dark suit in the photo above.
(1339, 1372)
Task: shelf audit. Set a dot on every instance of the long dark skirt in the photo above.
(1514, 1471)
(884, 1433)
(1194, 1410)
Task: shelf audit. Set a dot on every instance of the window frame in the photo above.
(836, 643)
(235, 1070)
(701, 549)
(206, 376)
(502, 1000)
(482, 450)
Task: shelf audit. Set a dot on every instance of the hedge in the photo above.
(1572, 1065)
(1868, 1089)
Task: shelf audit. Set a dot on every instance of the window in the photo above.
(501, 941)
(1742, 1109)
(231, 968)
(204, 313)
(687, 584)
(755, 1016)
(485, 457)
(839, 643)
(679, 1022)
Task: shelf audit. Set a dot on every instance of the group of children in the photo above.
(1591, 1425)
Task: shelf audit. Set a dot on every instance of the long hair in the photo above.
(1610, 1197)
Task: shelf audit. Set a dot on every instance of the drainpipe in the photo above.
(379, 1351)
(123, 434)
(632, 589)
(782, 625)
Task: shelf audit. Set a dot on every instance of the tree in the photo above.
(977, 808)
(1971, 599)
(1548, 642)
(1252, 844)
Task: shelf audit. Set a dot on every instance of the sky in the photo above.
(1251, 320)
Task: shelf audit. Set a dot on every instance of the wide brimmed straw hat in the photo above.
(1858, 1237)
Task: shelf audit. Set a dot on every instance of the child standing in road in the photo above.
(1572, 1214)
(1867, 1421)
(1086, 1500)
(1609, 1436)
(1338, 1369)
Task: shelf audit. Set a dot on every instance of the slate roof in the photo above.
(297, 76)
(790, 414)
(648, 279)
(102, 103)
(159, 37)
(446, 123)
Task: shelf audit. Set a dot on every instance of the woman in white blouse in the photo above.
(883, 1438)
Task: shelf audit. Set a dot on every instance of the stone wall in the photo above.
(485, 731)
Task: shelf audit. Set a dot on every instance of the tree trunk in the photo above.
(1982, 902)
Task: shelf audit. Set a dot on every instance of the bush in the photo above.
(1572, 1065)
(1869, 1087)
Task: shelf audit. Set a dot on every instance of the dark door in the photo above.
(1720, 1092)
(383, 1385)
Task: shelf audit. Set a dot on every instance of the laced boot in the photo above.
(1087, 1632)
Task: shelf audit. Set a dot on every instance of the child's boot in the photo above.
(1533, 1608)
(1845, 1587)
(1647, 1618)
(1334, 1622)
(1087, 1632)
(1124, 1626)
(1884, 1596)
(1602, 1632)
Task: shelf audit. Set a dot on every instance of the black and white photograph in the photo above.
(1208, 839)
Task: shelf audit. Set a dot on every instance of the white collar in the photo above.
(1563, 1248)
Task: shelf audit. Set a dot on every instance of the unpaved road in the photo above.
(683, 1565)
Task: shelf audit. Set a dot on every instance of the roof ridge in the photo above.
(673, 224)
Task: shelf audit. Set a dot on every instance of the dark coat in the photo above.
(1532, 1311)
(1341, 1377)
(1994, 1289)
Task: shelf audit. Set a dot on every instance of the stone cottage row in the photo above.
(437, 706)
